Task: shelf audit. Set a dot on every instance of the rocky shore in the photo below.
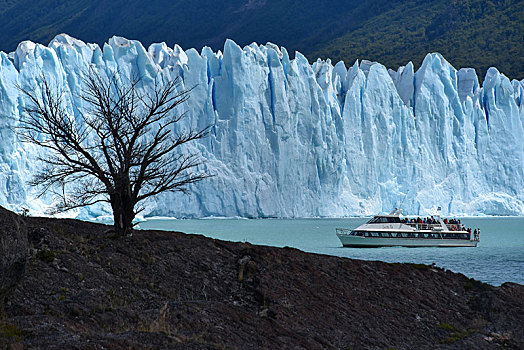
(83, 289)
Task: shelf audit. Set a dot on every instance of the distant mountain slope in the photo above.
(471, 33)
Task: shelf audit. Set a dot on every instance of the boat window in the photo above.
(385, 220)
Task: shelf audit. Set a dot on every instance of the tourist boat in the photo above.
(391, 231)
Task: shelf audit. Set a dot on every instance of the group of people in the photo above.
(452, 221)
(452, 224)
(429, 220)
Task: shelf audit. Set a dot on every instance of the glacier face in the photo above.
(291, 139)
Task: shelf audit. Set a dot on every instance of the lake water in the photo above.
(498, 258)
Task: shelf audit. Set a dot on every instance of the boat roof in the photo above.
(396, 213)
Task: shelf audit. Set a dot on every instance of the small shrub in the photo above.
(117, 299)
(447, 327)
(457, 333)
(10, 331)
(160, 324)
(61, 230)
(472, 283)
(46, 255)
(456, 336)
(74, 312)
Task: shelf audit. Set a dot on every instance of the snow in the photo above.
(291, 139)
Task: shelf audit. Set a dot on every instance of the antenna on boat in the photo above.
(400, 206)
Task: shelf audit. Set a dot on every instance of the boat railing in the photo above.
(419, 226)
(423, 226)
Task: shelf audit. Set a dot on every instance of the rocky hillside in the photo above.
(84, 289)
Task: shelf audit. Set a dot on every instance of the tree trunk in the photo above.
(123, 214)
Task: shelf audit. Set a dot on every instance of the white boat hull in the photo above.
(370, 242)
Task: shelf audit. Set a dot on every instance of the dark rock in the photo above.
(13, 252)
(37, 237)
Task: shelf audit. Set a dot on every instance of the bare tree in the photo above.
(121, 149)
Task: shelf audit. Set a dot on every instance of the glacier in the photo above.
(294, 139)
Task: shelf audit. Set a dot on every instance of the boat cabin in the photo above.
(385, 219)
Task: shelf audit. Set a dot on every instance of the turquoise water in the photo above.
(498, 258)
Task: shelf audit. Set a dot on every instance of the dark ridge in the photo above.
(84, 289)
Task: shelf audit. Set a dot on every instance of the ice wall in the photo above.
(291, 139)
